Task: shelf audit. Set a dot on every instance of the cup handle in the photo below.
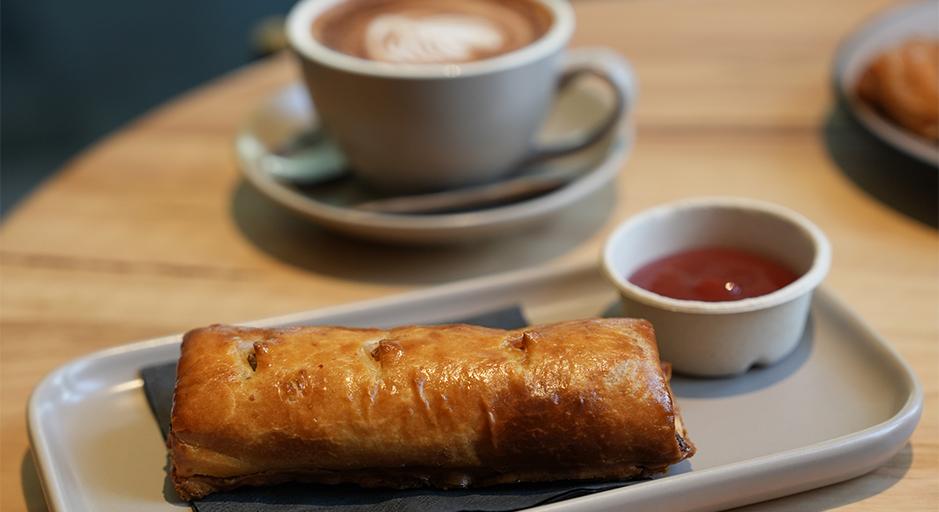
(608, 66)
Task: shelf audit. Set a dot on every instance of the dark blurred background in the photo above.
(72, 71)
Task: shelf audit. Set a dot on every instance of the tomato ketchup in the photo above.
(713, 274)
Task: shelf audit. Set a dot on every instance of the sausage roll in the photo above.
(443, 406)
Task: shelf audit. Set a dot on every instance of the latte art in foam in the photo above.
(440, 38)
(431, 31)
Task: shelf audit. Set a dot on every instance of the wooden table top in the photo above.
(152, 231)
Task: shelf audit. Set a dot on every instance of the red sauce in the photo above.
(713, 274)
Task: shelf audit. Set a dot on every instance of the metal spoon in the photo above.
(311, 159)
(470, 198)
(307, 159)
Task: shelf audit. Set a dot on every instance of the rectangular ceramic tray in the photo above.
(839, 406)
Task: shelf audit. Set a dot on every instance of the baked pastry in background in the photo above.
(902, 84)
(442, 406)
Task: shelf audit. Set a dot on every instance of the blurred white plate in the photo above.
(289, 113)
(885, 30)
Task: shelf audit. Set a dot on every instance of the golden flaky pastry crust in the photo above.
(443, 406)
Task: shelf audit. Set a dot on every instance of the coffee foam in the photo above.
(431, 39)
(431, 31)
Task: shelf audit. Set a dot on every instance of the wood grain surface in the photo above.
(152, 231)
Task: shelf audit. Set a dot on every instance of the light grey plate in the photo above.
(838, 407)
(289, 113)
(888, 29)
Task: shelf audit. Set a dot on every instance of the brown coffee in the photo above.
(431, 31)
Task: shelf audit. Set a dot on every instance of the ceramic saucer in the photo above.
(288, 116)
(885, 30)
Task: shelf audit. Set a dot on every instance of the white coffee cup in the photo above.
(422, 127)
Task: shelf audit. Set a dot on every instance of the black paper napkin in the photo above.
(159, 381)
